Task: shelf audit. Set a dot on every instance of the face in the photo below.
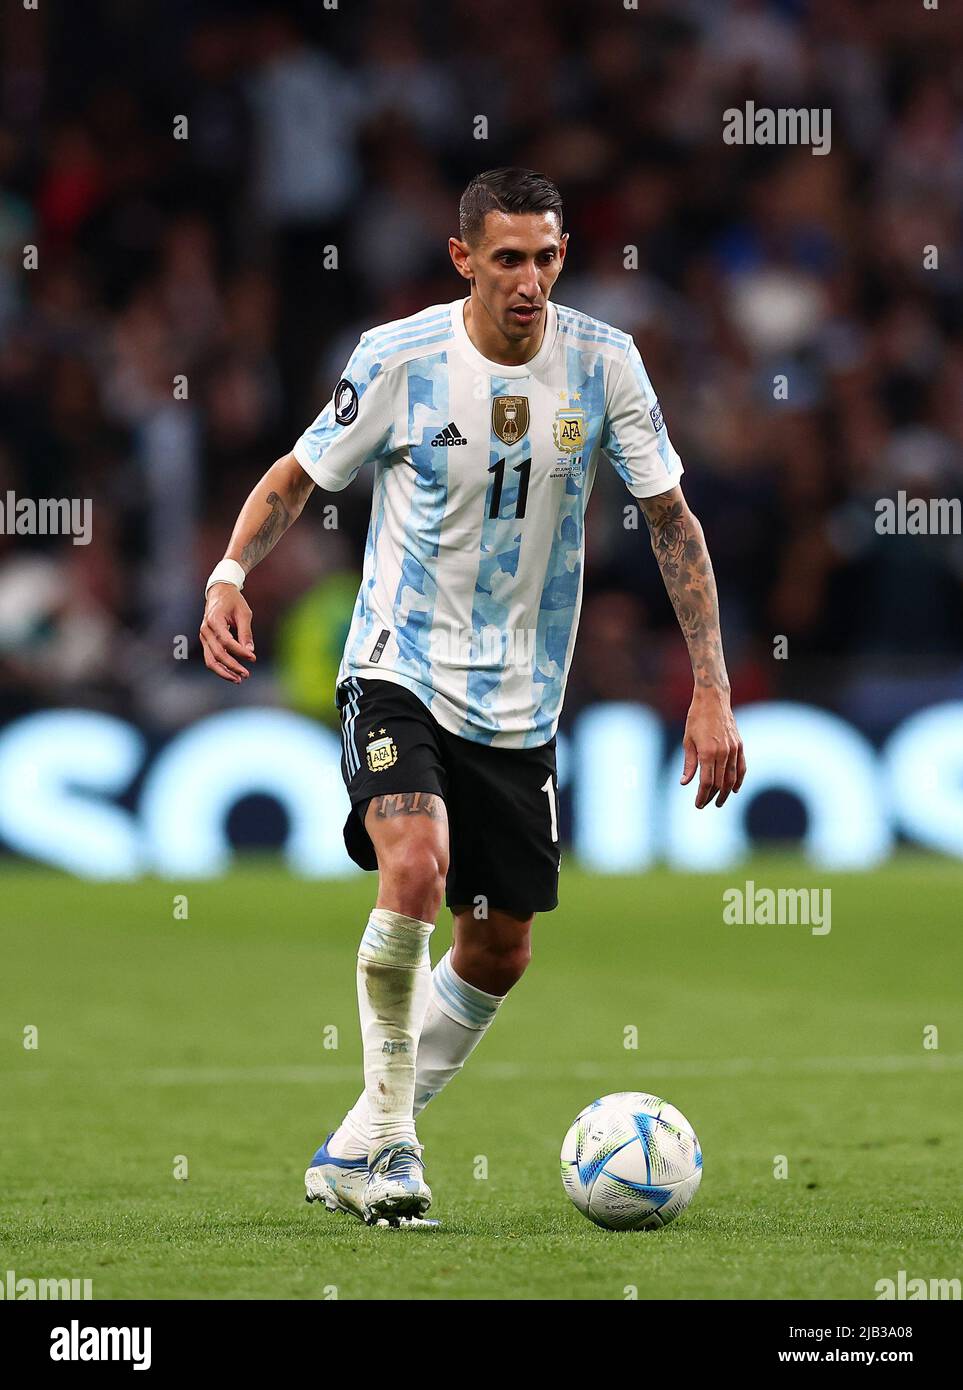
(513, 267)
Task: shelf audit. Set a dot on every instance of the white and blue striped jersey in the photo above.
(472, 580)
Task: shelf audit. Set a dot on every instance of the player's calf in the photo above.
(491, 953)
(394, 979)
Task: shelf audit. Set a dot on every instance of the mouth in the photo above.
(524, 313)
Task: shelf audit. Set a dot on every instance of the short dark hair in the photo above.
(505, 190)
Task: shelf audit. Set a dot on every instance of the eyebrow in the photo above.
(514, 251)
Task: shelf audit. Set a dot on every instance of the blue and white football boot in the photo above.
(396, 1190)
(337, 1182)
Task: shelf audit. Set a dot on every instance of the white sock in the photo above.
(394, 974)
(456, 1019)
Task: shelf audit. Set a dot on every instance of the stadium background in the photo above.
(353, 129)
(170, 1048)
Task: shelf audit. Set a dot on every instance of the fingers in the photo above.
(212, 657)
(712, 743)
(230, 643)
(244, 635)
(217, 660)
(735, 773)
(728, 782)
(720, 774)
(220, 670)
(218, 645)
(707, 782)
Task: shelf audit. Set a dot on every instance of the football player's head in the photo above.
(510, 246)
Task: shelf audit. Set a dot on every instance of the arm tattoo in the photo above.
(270, 531)
(680, 550)
(408, 804)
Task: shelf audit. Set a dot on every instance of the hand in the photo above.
(227, 613)
(712, 744)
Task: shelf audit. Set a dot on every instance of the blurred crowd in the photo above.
(199, 286)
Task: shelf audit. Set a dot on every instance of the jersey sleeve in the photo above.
(634, 438)
(357, 424)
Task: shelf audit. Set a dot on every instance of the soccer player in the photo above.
(485, 420)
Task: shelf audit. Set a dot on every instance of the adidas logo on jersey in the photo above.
(449, 435)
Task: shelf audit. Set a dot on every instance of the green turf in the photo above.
(203, 1038)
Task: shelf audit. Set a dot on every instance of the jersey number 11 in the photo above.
(523, 469)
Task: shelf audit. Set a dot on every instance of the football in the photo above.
(631, 1162)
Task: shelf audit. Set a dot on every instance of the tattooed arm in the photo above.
(711, 739)
(275, 503)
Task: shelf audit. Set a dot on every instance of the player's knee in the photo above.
(507, 957)
(413, 877)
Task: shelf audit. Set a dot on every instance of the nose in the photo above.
(528, 283)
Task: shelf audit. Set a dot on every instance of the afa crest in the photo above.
(382, 751)
(568, 431)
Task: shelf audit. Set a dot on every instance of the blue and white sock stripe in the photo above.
(352, 757)
(393, 939)
(459, 1000)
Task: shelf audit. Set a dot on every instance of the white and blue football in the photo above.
(631, 1162)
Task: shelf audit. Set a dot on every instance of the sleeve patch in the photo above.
(656, 414)
(345, 402)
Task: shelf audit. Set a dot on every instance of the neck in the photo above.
(492, 343)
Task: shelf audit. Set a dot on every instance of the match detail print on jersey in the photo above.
(473, 568)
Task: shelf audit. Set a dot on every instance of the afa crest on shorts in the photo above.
(510, 418)
(382, 751)
(568, 430)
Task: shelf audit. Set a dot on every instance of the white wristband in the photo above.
(227, 572)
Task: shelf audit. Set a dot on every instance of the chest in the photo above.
(506, 448)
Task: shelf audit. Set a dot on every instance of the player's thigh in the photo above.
(393, 767)
(409, 831)
(502, 805)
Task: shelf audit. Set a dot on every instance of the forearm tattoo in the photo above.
(680, 549)
(269, 532)
(408, 804)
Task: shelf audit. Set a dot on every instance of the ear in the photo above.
(461, 256)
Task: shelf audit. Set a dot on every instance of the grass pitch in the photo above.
(164, 1043)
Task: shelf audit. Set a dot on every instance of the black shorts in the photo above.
(502, 803)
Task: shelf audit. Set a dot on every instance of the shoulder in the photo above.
(404, 340)
(582, 331)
